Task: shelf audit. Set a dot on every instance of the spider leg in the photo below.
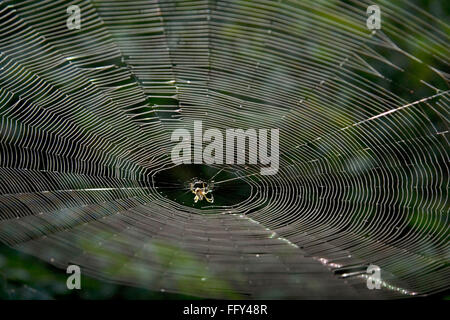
(210, 200)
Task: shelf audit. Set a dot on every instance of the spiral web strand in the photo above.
(87, 115)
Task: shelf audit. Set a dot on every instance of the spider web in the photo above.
(86, 119)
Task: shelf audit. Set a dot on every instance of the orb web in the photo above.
(87, 115)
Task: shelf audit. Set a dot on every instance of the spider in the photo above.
(201, 189)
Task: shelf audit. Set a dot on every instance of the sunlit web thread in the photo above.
(87, 117)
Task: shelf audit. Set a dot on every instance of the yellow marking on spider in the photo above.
(201, 193)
